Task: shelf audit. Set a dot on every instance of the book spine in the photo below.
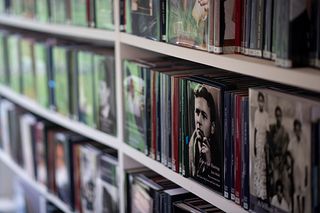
(238, 24)
(175, 125)
(317, 57)
(315, 166)
(217, 27)
(163, 13)
(122, 14)
(153, 116)
(183, 126)
(248, 26)
(158, 121)
(245, 154)
(211, 26)
(169, 127)
(253, 28)
(226, 138)
(243, 31)
(237, 151)
(283, 35)
(148, 100)
(260, 27)
(268, 29)
(232, 148)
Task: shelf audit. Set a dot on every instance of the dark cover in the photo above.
(135, 129)
(257, 26)
(14, 131)
(280, 151)
(248, 4)
(187, 24)
(245, 194)
(227, 145)
(122, 16)
(293, 33)
(239, 4)
(40, 153)
(108, 192)
(104, 15)
(143, 18)
(64, 176)
(89, 164)
(205, 146)
(105, 93)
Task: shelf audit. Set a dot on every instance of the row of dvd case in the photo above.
(285, 31)
(76, 80)
(245, 138)
(82, 173)
(85, 13)
(68, 165)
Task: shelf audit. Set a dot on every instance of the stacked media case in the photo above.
(68, 165)
(255, 28)
(221, 131)
(76, 80)
(85, 13)
(253, 174)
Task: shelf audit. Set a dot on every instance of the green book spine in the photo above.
(61, 79)
(86, 88)
(14, 62)
(42, 10)
(58, 11)
(2, 7)
(79, 12)
(104, 14)
(27, 68)
(41, 74)
(17, 7)
(3, 63)
(134, 98)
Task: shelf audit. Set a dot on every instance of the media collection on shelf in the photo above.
(195, 120)
(245, 138)
(70, 166)
(284, 31)
(76, 80)
(94, 14)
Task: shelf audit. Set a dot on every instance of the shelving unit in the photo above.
(23, 175)
(129, 45)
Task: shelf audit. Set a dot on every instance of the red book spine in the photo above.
(77, 183)
(238, 24)
(175, 125)
(237, 150)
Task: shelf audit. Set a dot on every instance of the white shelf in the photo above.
(83, 33)
(307, 78)
(187, 183)
(24, 176)
(56, 118)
